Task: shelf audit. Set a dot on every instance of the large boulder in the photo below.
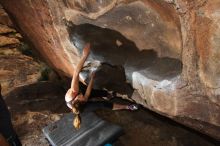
(167, 50)
(16, 69)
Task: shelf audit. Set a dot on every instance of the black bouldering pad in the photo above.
(94, 131)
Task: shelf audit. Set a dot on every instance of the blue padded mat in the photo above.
(93, 132)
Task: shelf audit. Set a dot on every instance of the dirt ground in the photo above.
(35, 106)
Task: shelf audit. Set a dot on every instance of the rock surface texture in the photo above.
(16, 69)
(168, 50)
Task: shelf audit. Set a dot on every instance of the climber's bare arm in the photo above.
(89, 88)
(75, 79)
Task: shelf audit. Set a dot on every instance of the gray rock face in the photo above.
(166, 50)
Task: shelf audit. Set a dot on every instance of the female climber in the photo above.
(76, 97)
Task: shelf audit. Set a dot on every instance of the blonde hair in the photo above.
(77, 119)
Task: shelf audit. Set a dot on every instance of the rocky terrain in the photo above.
(25, 92)
(31, 110)
(168, 49)
(16, 69)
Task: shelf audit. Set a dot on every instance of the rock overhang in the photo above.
(190, 95)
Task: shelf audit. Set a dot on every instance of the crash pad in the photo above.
(94, 131)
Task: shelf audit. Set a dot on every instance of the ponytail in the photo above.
(77, 118)
(77, 121)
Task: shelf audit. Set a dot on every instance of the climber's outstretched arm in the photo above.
(75, 79)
